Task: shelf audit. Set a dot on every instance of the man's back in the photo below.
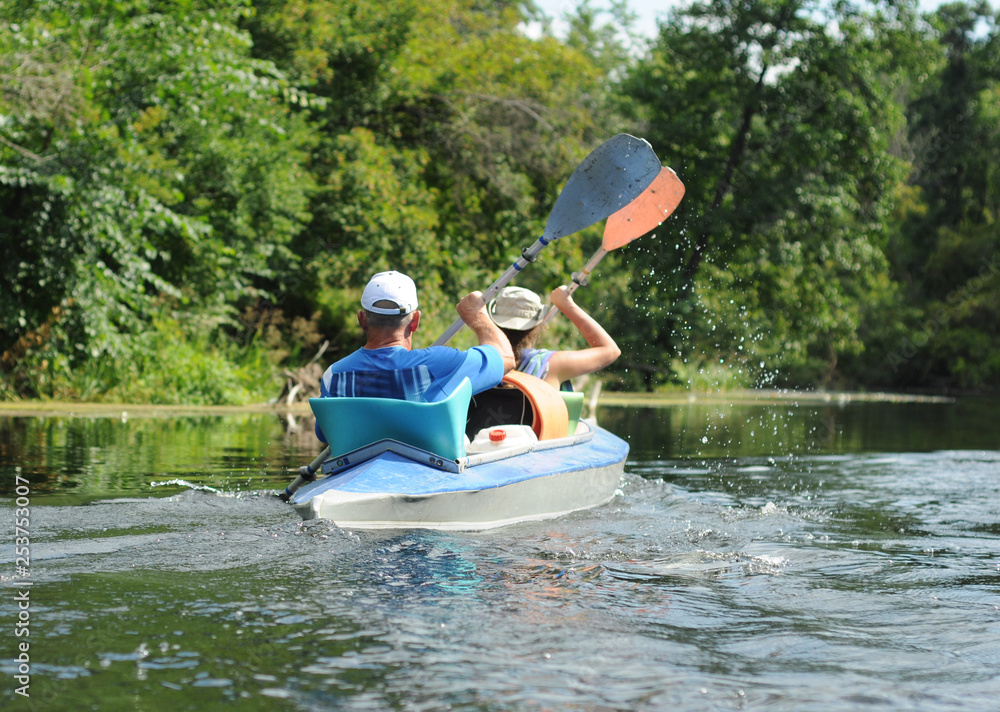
(388, 367)
(427, 375)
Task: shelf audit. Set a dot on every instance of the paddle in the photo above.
(613, 175)
(650, 209)
(307, 473)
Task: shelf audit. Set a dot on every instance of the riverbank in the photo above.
(743, 397)
(135, 410)
(612, 399)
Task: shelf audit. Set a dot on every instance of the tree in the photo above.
(446, 136)
(951, 162)
(147, 161)
(778, 116)
(947, 243)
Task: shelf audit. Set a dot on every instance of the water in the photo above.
(774, 556)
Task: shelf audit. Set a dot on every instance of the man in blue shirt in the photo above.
(388, 367)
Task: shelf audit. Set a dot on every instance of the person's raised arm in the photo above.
(472, 309)
(603, 350)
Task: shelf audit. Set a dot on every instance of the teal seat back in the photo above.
(352, 423)
(574, 405)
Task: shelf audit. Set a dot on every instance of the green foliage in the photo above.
(193, 194)
(947, 236)
(202, 369)
(778, 116)
(167, 167)
(168, 363)
(963, 328)
(953, 135)
(445, 140)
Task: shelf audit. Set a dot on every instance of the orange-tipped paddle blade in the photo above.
(652, 207)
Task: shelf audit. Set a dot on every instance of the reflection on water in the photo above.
(76, 460)
(779, 429)
(779, 556)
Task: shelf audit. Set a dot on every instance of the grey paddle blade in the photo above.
(612, 176)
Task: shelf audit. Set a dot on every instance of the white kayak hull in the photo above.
(394, 490)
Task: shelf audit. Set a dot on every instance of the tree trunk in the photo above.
(737, 151)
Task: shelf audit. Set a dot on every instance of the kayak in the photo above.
(515, 453)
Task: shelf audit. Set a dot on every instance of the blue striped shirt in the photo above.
(424, 375)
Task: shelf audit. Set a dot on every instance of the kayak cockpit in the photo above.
(523, 414)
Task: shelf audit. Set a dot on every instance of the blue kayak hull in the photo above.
(391, 490)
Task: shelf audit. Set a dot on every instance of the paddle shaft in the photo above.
(613, 175)
(307, 473)
(579, 279)
(649, 210)
(528, 255)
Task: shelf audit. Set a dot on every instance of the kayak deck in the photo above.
(394, 490)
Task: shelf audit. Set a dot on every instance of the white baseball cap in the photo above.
(390, 286)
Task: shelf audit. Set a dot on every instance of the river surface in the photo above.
(775, 556)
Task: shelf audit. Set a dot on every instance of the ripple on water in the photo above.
(773, 582)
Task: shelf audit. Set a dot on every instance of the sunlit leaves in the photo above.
(446, 137)
(777, 116)
(148, 159)
(167, 167)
